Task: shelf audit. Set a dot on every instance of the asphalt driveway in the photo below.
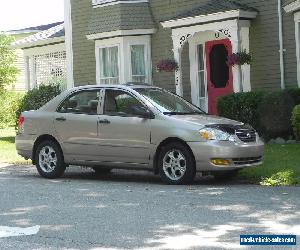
(134, 210)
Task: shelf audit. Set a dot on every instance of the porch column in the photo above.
(236, 47)
(27, 72)
(178, 72)
(32, 74)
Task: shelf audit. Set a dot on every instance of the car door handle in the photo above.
(104, 121)
(61, 119)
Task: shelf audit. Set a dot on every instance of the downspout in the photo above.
(281, 49)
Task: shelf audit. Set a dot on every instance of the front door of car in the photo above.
(76, 125)
(124, 135)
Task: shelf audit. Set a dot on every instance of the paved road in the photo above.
(134, 210)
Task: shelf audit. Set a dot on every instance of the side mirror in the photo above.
(142, 112)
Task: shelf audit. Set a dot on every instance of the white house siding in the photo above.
(19, 85)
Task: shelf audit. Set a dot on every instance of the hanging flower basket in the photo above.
(240, 58)
(167, 65)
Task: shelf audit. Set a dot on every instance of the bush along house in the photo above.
(200, 49)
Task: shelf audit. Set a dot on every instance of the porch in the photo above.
(207, 39)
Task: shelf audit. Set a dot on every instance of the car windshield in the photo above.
(167, 102)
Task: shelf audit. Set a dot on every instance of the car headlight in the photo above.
(215, 134)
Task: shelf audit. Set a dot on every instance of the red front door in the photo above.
(219, 74)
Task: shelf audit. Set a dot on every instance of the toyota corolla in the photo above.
(134, 127)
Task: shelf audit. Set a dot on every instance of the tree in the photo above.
(8, 70)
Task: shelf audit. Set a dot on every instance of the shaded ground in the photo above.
(134, 210)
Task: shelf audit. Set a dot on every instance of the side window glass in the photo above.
(120, 103)
(84, 102)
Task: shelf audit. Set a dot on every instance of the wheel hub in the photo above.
(47, 159)
(174, 164)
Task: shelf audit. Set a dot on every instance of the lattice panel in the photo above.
(49, 68)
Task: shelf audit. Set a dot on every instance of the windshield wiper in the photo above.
(183, 113)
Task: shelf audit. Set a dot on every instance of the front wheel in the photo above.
(176, 164)
(49, 160)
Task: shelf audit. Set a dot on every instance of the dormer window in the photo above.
(102, 3)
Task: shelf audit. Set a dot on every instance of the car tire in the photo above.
(225, 175)
(176, 164)
(101, 170)
(49, 160)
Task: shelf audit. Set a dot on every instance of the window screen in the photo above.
(219, 70)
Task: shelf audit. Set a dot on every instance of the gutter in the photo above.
(281, 48)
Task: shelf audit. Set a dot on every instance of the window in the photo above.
(219, 70)
(201, 71)
(84, 102)
(120, 103)
(167, 102)
(109, 65)
(123, 59)
(138, 71)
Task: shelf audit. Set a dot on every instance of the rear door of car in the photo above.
(76, 125)
(124, 137)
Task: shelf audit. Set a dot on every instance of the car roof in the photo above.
(122, 86)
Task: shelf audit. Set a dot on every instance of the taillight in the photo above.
(21, 121)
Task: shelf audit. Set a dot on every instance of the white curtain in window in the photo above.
(138, 63)
(109, 63)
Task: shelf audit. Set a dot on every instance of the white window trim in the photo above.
(124, 43)
(147, 56)
(194, 67)
(103, 3)
(98, 47)
(99, 63)
(117, 33)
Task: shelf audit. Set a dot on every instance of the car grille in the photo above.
(246, 134)
(247, 161)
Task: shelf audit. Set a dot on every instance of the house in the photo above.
(41, 55)
(119, 41)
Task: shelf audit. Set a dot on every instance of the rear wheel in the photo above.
(176, 164)
(49, 160)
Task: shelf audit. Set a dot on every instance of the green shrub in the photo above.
(275, 114)
(294, 94)
(9, 103)
(242, 107)
(268, 112)
(296, 122)
(37, 97)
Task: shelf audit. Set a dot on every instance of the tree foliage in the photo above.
(8, 70)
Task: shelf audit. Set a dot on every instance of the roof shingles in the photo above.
(214, 6)
(54, 32)
(120, 17)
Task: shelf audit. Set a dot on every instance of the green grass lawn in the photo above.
(8, 153)
(282, 159)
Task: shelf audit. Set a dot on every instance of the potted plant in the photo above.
(167, 65)
(240, 58)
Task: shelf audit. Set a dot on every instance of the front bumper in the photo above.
(240, 155)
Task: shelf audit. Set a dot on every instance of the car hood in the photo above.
(205, 119)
